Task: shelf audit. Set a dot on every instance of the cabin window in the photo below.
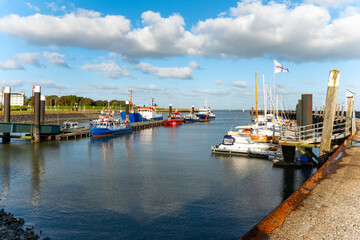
(228, 140)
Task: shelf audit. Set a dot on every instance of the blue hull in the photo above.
(105, 132)
(136, 117)
(190, 120)
(205, 117)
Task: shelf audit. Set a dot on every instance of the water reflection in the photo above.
(5, 171)
(37, 173)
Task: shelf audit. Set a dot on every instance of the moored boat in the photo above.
(243, 145)
(106, 126)
(149, 113)
(173, 120)
(205, 114)
(191, 118)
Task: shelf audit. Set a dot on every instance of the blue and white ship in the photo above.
(106, 126)
(205, 114)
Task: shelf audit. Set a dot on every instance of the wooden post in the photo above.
(349, 112)
(338, 110)
(6, 103)
(36, 132)
(329, 114)
(127, 110)
(42, 108)
(342, 109)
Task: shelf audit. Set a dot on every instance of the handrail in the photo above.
(313, 131)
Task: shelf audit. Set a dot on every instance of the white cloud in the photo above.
(194, 65)
(12, 83)
(330, 3)
(34, 8)
(167, 72)
(56, 59)
(108, 69)
(212, 91)
(48, 85)
(309, 82)
(10, 65)
(237, 84)
(300, 32)
(30, 58)
(240, 84)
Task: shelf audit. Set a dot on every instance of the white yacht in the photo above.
(243, 145)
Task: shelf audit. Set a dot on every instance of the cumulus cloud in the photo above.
(108, 69)
(167, 72)
(11, 65)
(56, 59)
(301, 32)
(30, 58)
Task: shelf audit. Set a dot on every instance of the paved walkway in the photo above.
(332, 208)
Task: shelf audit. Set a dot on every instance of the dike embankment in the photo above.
(326, 206)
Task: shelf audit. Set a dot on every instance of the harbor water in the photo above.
(157, 183)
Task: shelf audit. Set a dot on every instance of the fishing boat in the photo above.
(191, 118)
(173, 120)
(244, 146)
(107, 126)
(149, 113)
(205, 113)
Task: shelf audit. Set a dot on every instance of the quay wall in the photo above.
(55, 117)
(275, 219)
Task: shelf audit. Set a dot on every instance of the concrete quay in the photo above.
(327, 206)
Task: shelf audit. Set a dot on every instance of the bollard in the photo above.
(7, 94)
(42, 109)
(192, 110)
(36, 129)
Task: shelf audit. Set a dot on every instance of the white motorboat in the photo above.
(243, 145)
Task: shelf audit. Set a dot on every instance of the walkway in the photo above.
(332, 208)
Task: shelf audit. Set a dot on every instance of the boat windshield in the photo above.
(250, 140)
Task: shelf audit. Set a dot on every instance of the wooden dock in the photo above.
(85, 132)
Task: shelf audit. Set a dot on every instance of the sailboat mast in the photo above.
(265, 103)
(257, 106)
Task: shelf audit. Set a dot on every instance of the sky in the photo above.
(180, 52)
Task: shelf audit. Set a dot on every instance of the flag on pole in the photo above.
(279, 68)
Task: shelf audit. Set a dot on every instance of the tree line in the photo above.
(72, 100)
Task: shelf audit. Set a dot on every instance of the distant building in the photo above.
(16, 99)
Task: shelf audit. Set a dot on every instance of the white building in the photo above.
(16, 99)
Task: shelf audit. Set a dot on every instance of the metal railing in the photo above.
(314, 131)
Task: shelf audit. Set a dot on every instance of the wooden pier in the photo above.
(85, 132)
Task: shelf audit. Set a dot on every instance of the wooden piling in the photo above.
(7, 93)
(329, 114)
(342, 109)
(36, 129)
(42, 108)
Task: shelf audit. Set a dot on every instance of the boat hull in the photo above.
(190, 120)
(172, 123)
(106, 132)
(205, 117)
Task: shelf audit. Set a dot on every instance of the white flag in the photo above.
(279, 68)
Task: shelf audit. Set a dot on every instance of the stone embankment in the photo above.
(12, 228)
(57, 117)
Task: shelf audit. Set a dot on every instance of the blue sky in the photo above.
(180, 52)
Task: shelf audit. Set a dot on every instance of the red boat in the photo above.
(173, 120)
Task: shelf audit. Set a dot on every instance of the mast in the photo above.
(257, 116)
(264, 91)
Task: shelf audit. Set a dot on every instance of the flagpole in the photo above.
(274, 86)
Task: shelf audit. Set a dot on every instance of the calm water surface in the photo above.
(160, 183)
